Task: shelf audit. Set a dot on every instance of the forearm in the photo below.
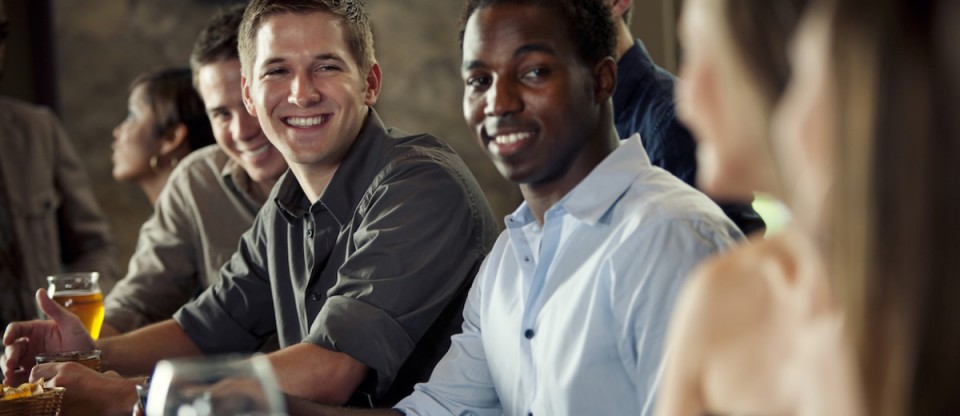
(317, 374)
(137, 352)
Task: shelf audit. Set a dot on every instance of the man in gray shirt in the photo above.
(210, 199)
(363, 258)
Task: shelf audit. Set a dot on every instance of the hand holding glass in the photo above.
(80, 294)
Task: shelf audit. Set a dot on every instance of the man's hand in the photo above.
(22, 341)
(89, 392)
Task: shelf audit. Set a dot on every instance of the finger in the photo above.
(14, 354)
(45, 371)
(49, 307)
(67, 321)
(11, 333)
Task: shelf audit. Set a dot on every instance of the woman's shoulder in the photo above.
(744, 284)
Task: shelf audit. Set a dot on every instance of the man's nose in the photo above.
(303, 92)
(502, 98)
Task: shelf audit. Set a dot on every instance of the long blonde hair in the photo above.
(897, 200)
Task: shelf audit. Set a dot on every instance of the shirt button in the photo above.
(310, 233)
(528, 333)
(526, 259)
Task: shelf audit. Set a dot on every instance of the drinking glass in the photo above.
(80, 294)
(215, 386)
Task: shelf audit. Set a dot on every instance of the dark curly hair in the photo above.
(588, 24)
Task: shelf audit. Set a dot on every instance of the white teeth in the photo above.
(255, 153)
(305, 121)
(512, 138)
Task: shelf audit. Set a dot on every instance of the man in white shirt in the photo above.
(569, 311)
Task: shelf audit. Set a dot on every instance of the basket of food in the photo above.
(31, 399)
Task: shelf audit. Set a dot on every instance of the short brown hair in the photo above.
(217, 41)
(358, 34)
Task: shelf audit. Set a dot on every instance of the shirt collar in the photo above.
(600, 190)
(349, 183)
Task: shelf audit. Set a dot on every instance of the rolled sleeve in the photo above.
(237, 313)
(415, 250)
(163, 272)
(367, 332)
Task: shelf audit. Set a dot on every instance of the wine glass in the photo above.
(215, 386)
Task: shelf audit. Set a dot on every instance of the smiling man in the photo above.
(362, 259)
(569, 311)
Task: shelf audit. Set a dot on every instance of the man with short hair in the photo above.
(210, 199)
(569, 311)
(363, 259)
(644, 103)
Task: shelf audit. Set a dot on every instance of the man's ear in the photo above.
(247, 101)
(619, 7)
(374, 82)
(604, 79)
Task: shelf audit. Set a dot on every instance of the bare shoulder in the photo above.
(739, 287)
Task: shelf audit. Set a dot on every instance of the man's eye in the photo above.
(274, 71)
(536, 73)
(325, 68)
(478, 82)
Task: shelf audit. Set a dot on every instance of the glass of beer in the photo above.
(80, 294)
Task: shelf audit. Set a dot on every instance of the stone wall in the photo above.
(102, 45)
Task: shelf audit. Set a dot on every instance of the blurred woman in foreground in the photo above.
(736, 318)
(869, 119)
(166, 120)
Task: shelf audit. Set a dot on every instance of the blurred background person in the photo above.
(740, 316)
(165, 121)
(644, 103)
(49, 218)
(211, 198)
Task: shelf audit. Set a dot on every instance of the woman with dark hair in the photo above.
(166, 120)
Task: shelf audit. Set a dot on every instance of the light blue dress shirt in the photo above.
(568, 319)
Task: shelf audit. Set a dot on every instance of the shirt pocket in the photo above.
(39, 212)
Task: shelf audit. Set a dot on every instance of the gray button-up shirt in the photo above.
(198, 220)
(377, 268)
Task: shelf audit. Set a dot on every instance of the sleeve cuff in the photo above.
(212, 329)
(366, 333)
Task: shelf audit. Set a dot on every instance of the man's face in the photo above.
(528, 100)
(237, 132)
(307, 89)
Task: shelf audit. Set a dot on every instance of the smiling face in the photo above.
(528, 99)
(135, 140)
(307, 90)
(236, 131)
